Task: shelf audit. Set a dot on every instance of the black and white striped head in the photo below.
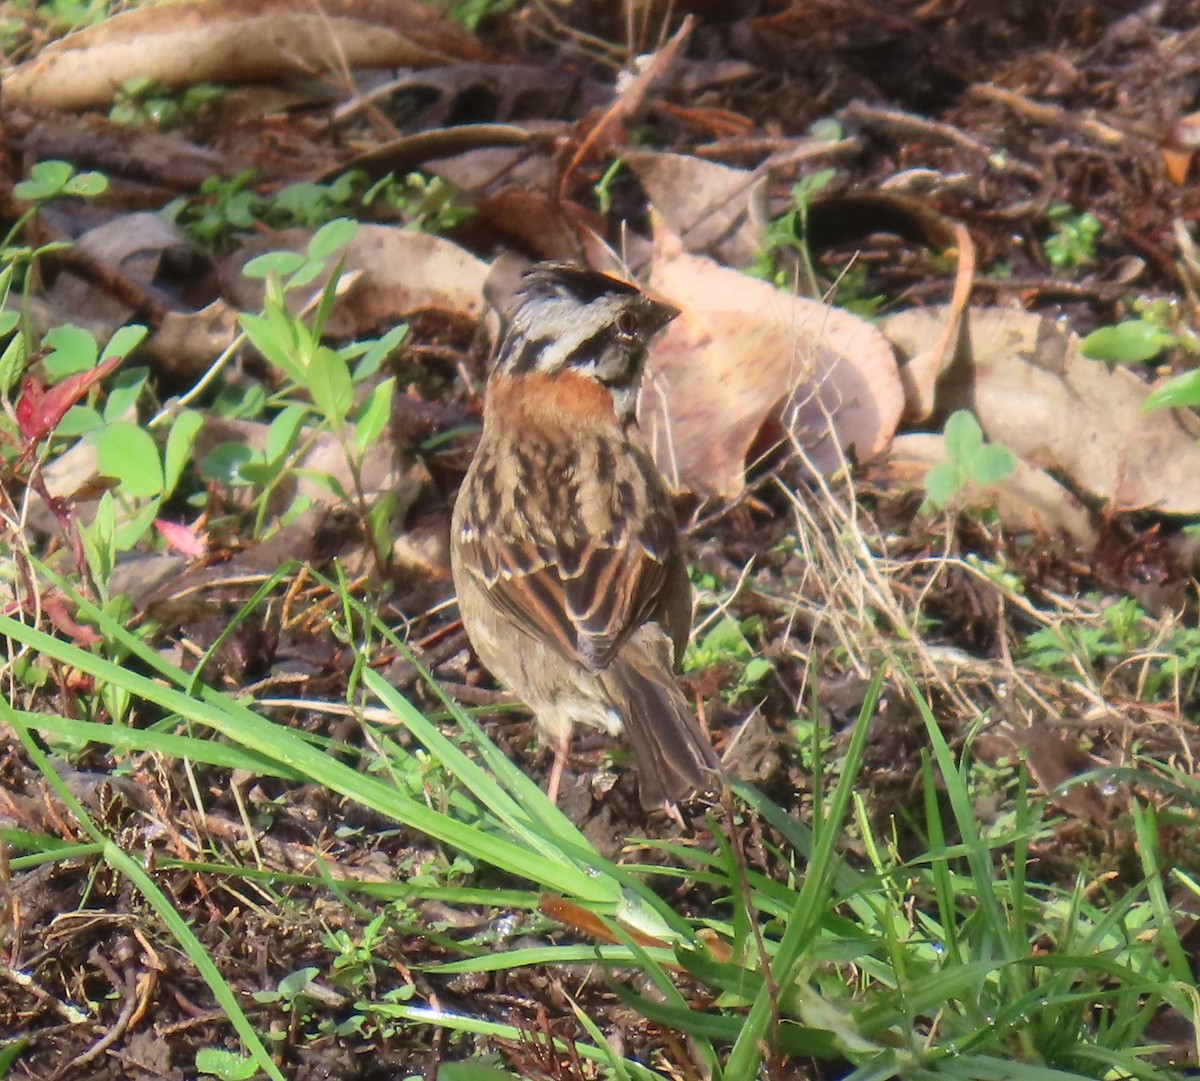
(570, 318)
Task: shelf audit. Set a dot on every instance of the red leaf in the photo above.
(181, 537)
(39, 410)
(56, 612)
(29, 405)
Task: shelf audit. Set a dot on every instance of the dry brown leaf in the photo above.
(1036, 394)
(1027, 501)
(538, 222)
(409, 152)
(147, 157)
(857, 215)
(133, 247)
(1055, 761)
(186, 343)
(705, 203)
(404, 271)
(743, 354)
(924, 368)
(486, 172)
(512, 90)
(397, 272)
(1177, 156)
(231, 41)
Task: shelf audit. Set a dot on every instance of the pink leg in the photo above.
(560, 747)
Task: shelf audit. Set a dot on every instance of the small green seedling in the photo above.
(51, 179)
(728, 642)
(788, 234)
(291, 992)
(142, 101)
(1072, 244)
(1156, 328)
(970, 460)
(228, 208)
(226, 1065)
(319, 390)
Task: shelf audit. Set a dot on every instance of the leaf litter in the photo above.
(758, 403)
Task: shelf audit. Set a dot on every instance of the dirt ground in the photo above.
(994, 115)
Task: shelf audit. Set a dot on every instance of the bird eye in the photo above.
(627, 324)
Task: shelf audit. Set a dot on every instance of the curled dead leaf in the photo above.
(742, 354)
(705, 202)
(839, 218)
(1035, 393)
(402, 155)
(396, 272)
(231, 41)
(127, 254)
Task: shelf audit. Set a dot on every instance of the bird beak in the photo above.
(660, 314)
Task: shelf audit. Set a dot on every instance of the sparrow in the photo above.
(564, 547)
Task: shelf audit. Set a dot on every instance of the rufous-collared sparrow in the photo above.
(565, 550)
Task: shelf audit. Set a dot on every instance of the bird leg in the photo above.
(560, 744)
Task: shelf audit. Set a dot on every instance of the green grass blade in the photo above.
(746, 1055)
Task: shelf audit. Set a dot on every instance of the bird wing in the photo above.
(581, 595)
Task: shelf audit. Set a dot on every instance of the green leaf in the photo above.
(374, 415)
(227, 1065)
(304, 202)
(257, 472)
(294, 983)
(180, 440)
(328, 298)
(124, 393)
(124, 341)
(963, 436)
(282, 263)
(992, 464)
(330, 483)
(941, 484)
(1131, 342)
(127, 452)
(10, 1052)
(1182, 392)
(79, 420)
(131, 532)
(223, 462)
(309, 271)
(73, 350)
(756, 669)
(46, 180)
(281, 435)
(330, 237)
(378, 352)
(86, 185)
(329, 384)
(99, 548)
(725, 638)
(803, 192)
(275, 340)
(12, 363)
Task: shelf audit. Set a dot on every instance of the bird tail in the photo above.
(674, 759)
